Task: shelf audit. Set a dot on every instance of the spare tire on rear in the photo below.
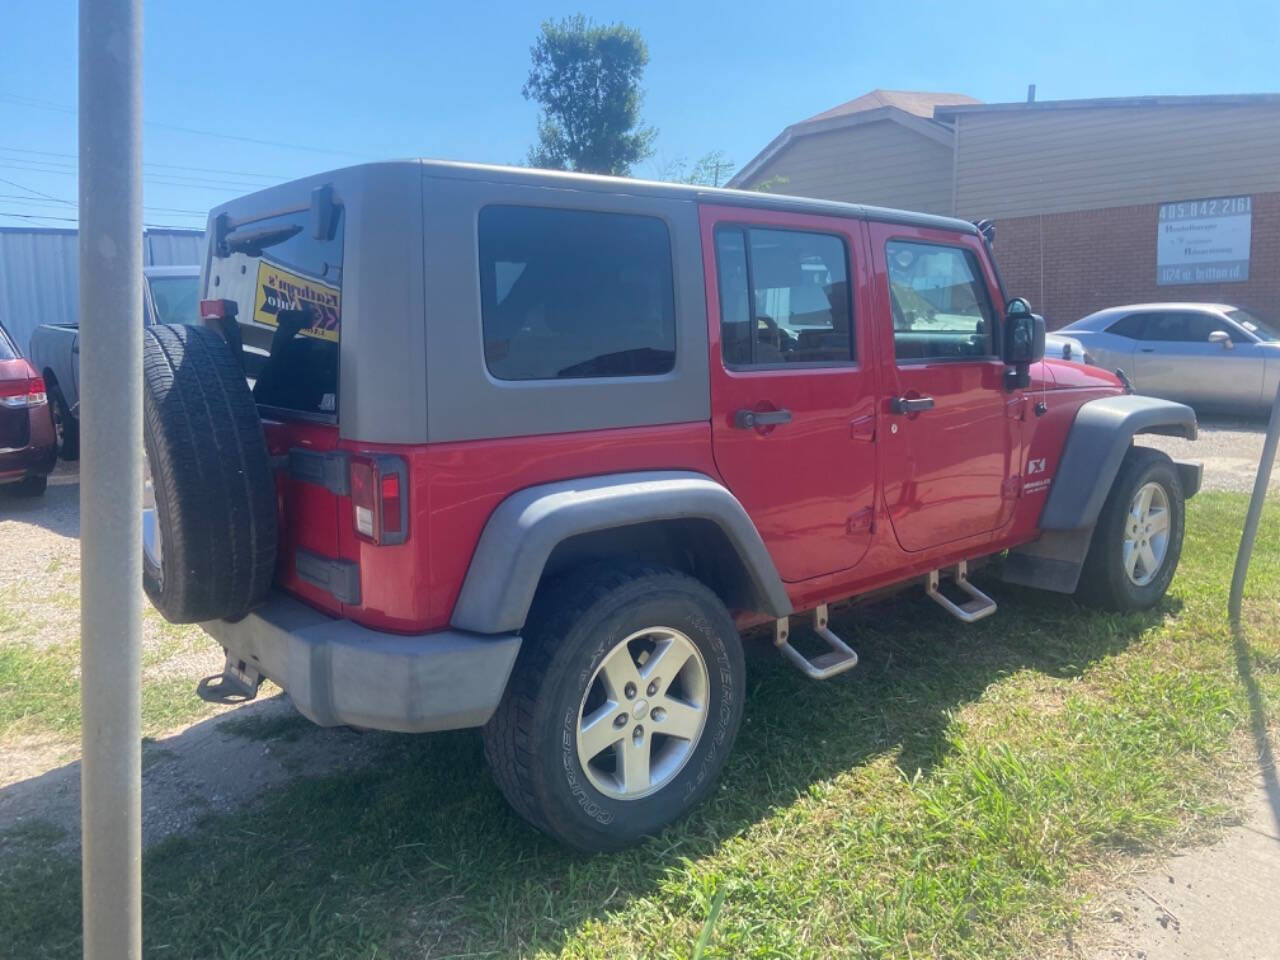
(209, 544)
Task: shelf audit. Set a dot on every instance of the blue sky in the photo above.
(345, 82)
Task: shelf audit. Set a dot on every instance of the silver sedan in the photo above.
(1212, 356)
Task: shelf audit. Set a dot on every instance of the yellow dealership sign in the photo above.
(279, 289)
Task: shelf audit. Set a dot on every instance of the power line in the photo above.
(164, 180)
(63, 108)
(276, 177)
(47, 196)
(37, 216)
(66, 204)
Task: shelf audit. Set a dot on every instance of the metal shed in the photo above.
(38, 272)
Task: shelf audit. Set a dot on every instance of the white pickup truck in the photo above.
(169, 295)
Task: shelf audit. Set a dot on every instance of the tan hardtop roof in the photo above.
(699, 194)
(242, 209)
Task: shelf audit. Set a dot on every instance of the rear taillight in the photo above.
(218, 309)
(379, 498)
(16, 394)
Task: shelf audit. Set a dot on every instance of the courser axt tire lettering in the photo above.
(211, 475)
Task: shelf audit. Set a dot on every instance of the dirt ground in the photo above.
(219, 763)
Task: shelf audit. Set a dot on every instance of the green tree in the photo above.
(586, 78)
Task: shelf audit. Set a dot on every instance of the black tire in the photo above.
(29, 487)
(65, 425)
(1104, 581)
(214, 493)
(575, 622)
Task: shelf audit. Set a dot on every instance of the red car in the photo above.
(28, 447)
(526, 450)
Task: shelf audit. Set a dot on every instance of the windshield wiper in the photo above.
(253, 242)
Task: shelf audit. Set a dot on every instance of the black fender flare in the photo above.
(1100, 436)
(527, 526)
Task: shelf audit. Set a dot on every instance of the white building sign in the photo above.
(1204, 241)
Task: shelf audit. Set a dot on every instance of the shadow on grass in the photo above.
(415, 851)
(1257, 722)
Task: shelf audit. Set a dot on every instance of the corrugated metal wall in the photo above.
(38, 272)
(1018, 163)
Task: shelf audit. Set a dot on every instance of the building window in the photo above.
(572, 293)
(941, 309)
(784, 297)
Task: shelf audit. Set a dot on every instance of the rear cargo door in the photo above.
(283, 272)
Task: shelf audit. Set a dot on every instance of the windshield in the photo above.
(1262, 329)
(176, 299)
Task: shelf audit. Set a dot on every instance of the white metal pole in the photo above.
(1260, 484)
(111, 474)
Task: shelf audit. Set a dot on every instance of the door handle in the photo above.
(910, 404)
(1148, 349)
(750, 419)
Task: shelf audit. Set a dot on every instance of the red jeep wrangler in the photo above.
(469, 446)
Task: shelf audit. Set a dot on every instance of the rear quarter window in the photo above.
(569, 294)
(287, 285)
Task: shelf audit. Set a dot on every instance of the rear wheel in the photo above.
(65, 427)
(622, 706)
(1138, 538)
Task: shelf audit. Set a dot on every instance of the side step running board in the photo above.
(978, 606)
(837, 660)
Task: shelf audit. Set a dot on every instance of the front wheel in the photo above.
(622, 706)
(1138, 538)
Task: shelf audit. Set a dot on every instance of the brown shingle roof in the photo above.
(917, 102)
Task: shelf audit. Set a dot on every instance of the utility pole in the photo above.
(111, 475)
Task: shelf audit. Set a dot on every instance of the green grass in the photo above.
(949, 798)
(40, 691)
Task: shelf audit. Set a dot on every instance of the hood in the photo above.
(1064, 375)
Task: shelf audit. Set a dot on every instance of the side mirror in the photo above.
(1223, 338)
(1023, 334)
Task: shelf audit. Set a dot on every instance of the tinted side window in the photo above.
(574, 293)
(784, 297)
(7, 350)
(1133, 326)
(941, 309)
(1183, 327)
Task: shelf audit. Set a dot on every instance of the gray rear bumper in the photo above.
(340, 673)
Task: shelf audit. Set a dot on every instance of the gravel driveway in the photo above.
(1230, 449)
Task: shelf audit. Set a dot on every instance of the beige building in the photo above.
(1096, 202)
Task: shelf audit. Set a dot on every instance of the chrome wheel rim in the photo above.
(643, 713)
(1146, 534)
(152, 542)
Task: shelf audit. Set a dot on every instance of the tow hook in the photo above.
(237, 683)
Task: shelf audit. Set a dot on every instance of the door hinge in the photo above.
(1016, 408)
(862, 521)
(1011, 488)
